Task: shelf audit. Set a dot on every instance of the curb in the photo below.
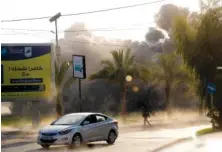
(172, 143)
(16, 144)
(181, 140)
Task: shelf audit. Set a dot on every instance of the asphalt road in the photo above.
(142, 141)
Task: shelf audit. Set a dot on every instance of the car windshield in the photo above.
(69, 120)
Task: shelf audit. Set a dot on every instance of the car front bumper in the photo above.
(55, 140)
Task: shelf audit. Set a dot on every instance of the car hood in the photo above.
(55, 128)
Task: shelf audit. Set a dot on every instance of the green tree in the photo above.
(171, 72)
(201, 48)
(61, 83)
(116, 70)
(208, 4)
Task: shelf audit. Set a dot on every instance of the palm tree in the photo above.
(61, 83)
(116, 70)
(171, 72)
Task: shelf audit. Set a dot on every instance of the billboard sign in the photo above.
(26, 71)
(79, 66)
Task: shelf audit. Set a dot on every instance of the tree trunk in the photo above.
(167, 101)
(201, 106)
(59, 109)
(220, 118)
(123, 101)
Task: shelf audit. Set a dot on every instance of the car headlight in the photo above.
(63, 132)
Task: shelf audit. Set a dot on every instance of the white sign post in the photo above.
(79, 71)
(79, 67)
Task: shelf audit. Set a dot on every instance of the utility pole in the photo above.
(54, 19)
(58, 54)
(212, 101)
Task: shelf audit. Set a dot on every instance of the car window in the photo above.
(100, 118)
(91, 119)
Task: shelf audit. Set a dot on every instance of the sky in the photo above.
(139, 17)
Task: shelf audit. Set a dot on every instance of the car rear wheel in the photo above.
(111, 137)
(45, 146)
(76, 141)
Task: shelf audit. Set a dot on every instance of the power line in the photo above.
(111, 45)
(42, 30)
(77, 41)
(89, 43)
(116, 8)
(22, 33)
(32, 30)
(86, 30)
(107, 30)
(92, 30)
(104, 44)
(89, 12)
(25, 34)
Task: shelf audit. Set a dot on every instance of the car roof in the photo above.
(86, 113)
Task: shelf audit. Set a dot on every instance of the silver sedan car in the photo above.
(77, 128)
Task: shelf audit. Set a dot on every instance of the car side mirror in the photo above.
(86, 122)
(52, 123)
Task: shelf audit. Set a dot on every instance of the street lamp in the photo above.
(54, 19)
(58, 53)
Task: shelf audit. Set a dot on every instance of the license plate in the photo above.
(47, 138)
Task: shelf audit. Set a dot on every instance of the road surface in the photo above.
(206, 143)
(142, 141)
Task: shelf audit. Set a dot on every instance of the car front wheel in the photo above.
(45, 146)
(111, 138)
(76, 141)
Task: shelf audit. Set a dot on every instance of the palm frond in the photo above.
(104, 73)
(127, 56)
(118, 58)
(68, 82)
(144, 74)
(123, 64)
(108, 63)
(130, 62)
(63, 69)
